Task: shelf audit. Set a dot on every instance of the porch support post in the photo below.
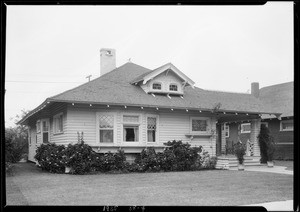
(223, 138)
(255, 130)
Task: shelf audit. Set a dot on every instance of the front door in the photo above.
(45, 130)
(218, 139)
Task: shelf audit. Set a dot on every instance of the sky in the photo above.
(51, 49)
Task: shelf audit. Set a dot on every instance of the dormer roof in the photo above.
(144, 78)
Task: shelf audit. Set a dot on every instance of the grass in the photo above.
(288, 164)
(31, 186)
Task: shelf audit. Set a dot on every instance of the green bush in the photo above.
(13, 150)
(110, 162)
(185, 155)
(266, 144)
(205, 161)
(51, 157)
(79, 157)
(240, 151)
(147, 160)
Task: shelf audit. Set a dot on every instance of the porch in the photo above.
(230, 161)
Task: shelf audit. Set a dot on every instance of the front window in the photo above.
(156, 86)
(58, 123)
(287, 125)
(199, 125)
(106, 128)
(173, 87)
(131, 128)
(151, 129)
(246, 128)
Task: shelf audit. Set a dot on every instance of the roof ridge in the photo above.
(276, 85)
(222, 91)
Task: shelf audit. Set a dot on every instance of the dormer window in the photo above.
(173, 87)
(156, 86)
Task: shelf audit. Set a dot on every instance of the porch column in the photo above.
(255, 130)
(223, 138)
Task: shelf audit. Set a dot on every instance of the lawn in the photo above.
(30, 185)
(288, 164)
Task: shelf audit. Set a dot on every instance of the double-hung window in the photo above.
(131, 125)
(173, 87)
(151, 128)
(156, 86)
(106, 128)
(58, 123)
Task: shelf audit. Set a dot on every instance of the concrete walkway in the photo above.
(262, 168)
(276, 206)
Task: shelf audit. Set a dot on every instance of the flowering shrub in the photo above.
(185, 156)
(82, 159)
(206, 162)
(50, 157)
(79, 158)
(110, 161)
(147, 160)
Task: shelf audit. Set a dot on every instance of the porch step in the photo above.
(230, 162)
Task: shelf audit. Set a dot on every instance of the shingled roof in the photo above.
(280, 97)
(115, 88)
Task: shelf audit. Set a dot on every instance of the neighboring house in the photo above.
(132, 107)
(281, 98)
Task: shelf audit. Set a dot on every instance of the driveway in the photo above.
(31, 186)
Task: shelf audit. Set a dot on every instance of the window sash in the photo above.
(58, 123)
(173, 87)
(106, 135)
(130, 133)
(156, 86)
(226, 131)
(199, 125)
(287, 125)
(244, 128)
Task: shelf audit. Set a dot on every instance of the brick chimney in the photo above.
(255, 89)
(107, 60)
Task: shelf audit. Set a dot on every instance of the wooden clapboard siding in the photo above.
(171, 125)
(60, 138)
(175, 125)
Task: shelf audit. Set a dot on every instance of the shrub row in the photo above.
(82, 159)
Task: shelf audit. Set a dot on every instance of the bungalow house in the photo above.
(132, 107)
(280, 97)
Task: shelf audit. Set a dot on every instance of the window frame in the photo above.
(227, 130)
(175, 85)
(55, 117)
(136, 124)
(286, 130)
(244, 124)
(98, 114)
(156, 131)
(207, 119)
(47, 120)
(161, 86)
(38, 126)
